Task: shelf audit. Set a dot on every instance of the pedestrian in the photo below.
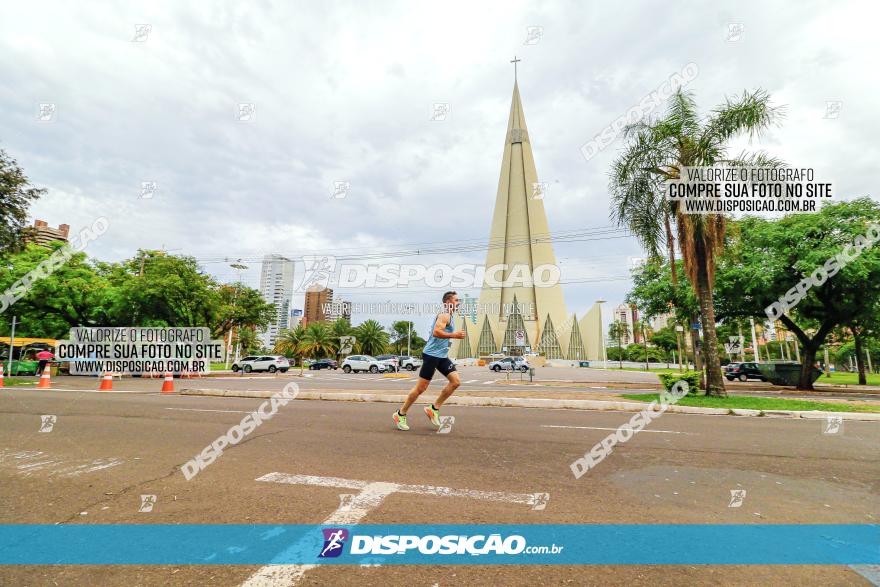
(44, 356)
(435, 358)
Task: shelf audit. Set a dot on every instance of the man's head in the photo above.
(450, 301)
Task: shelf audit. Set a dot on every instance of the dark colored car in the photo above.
(323, 364)
(743, 372)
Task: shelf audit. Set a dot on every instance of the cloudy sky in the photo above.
(344, 91)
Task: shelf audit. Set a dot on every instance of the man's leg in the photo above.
(451, 386)
(420, 387)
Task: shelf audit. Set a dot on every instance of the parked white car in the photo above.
(411, 363)
(510, 364)
(359, 363)
(270, 363)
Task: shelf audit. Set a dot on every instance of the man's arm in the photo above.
(440, 324)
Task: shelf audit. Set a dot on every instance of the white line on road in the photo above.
(370, 497)
(201, 410)
(600, 428)
(524, 498)
(471, 380)
(488, 382)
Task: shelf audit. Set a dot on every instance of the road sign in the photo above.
(520, 338)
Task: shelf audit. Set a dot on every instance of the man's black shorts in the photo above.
(431, 364)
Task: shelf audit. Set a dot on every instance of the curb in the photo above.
(518, 402)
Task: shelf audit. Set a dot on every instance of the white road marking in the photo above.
(354, 511)
(370, 497)
(471, 380)
(600, 428)
(488, 382)
(32, 461)
(201, 410)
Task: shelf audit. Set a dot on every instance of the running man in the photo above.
(435, 358)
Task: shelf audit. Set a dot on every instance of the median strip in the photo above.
(519, 402)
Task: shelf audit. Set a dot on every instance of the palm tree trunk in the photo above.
(670, 249)
(714, 379)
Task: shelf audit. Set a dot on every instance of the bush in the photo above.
(692, 378)
(636, 353)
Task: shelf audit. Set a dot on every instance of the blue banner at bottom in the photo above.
(563, 544)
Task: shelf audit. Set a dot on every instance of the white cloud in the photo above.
(343, 92)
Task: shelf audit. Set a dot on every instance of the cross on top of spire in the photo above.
(514, 61)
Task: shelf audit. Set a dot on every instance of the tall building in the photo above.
(276, 287)
(515, 314)
(318, 298)
(339, 308)
(662, 321)
(42, 234)
(623, 315)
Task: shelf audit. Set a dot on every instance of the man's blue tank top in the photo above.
(439, 347)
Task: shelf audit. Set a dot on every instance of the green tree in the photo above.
(641, 328)
(339, 328)
(157, 289)
(247, 341)
(656, 153)
(371, 338)
(617, 330)
(767, 258)
(656, 291)
(318, 341)
(16, 196)
(665, 339)
(400, 331)
(239, 305)
(73, 293)
(289, 341)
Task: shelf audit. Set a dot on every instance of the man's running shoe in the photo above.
(433, 415)
(400, 421)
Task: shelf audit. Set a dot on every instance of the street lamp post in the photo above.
(600, 301)
(239, 267)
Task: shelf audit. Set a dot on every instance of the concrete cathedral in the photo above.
(522, 318)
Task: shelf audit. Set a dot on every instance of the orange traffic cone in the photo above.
(168, 384)
(1, 375)
(45, 379)
(106, 383)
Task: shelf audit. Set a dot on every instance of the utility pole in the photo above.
(754, 341)
(408, 337)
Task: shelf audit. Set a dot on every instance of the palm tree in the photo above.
(288, 342)
(318, 341)
(656, 152)
(642, 327)
(617, 330)
(371, 338)
(339, 328)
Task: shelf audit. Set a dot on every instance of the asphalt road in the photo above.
(106, 450)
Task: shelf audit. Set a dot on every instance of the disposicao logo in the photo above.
(334, 540)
